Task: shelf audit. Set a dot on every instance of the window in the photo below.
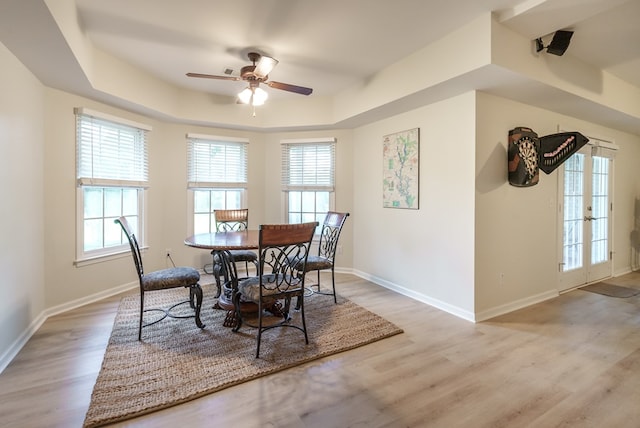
(217, 176)
(112, 174)
(308, 171)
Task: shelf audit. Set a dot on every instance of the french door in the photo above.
(585, 208)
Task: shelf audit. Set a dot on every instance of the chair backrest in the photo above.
(283, 251)
(231, 220)
(331, 228)
(133, 243)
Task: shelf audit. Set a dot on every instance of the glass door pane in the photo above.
(600, 211)
(573, 242)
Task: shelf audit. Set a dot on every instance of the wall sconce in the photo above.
(559, 43)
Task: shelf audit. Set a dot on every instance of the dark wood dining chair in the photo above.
(277, 278)
(327, 247)
(174, 277)
(231, 221)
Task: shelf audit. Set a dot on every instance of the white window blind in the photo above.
(308, 165)
(110, 153)
(216, 162)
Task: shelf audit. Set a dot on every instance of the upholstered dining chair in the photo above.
(230, 221)
(327, 246)
(163, 279)
(277, 278)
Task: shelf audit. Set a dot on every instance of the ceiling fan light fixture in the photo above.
(245, 95)
(254, 96)
(259, 96)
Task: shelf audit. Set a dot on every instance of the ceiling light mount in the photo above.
(558, 45)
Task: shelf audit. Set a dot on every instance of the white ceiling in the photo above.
(328, 45)
(331, 44)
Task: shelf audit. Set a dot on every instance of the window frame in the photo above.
(195, 182)
(110, 179)
(305, 186)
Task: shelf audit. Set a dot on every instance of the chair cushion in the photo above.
(250, 287)
(243, 256)
(239, 256)
(170, 278)
(317, 263)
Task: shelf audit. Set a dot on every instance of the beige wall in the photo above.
(426, 253)
(516, 233)
(22, 286)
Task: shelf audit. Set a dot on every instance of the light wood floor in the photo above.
(573, 361)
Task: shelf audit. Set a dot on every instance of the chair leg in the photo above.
(299, 298)
(304, 322)
(318, 272)
(333, 283)
(197, 291)
(141, 314)
(259, 335)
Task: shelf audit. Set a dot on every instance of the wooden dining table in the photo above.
(219, 243)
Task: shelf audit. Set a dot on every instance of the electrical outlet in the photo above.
(339, 249)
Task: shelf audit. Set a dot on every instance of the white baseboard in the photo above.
(454, 310)
(17, 345)
(22, 340)
(514, 306)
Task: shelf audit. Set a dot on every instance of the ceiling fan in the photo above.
(254, 75)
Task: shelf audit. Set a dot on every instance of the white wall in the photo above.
(426, 253)
(21, 191)
(516, 234)
(166, 202)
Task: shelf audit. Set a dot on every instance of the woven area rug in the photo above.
(177, 362)
(611, 290)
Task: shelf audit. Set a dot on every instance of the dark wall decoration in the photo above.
(524, 147)
(527, 153)
(557, 148)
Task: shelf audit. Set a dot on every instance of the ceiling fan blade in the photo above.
(264, 66)
(291, 88)
(211, 76)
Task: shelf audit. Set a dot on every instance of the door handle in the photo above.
(590, 218)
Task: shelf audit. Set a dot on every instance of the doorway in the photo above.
(584, 217)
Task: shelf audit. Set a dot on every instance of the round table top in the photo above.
(243, 240)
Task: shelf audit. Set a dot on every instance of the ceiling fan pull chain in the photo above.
(252, 104)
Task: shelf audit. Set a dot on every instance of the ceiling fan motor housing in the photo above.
(247, 72)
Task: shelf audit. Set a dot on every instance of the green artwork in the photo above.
(400, 156)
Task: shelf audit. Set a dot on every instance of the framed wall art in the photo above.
(401, 164)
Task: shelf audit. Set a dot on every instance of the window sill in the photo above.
(104, 258)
